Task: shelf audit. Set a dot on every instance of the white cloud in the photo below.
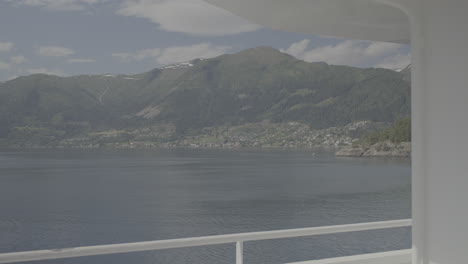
(397, 62)
(297, 49)
(381, 48)
(57, 5)
(194, 17)
(55, 51)
(186, 53)
(175, 54)
(18, 59)
(45, 71)
(81, 60)
(6, 46)
(12, 77)
(348, 52)
(4, 65)
(138, 55)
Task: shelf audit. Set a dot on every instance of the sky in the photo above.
(73, 37)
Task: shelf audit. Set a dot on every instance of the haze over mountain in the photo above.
(255, 85)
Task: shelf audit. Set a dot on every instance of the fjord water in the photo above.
(67, 198)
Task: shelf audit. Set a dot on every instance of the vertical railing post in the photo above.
(239, 252)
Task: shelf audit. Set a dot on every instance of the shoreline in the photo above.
(321, 149)
(380, 149)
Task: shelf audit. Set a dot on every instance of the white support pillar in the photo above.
(239, 252)
(440, 131)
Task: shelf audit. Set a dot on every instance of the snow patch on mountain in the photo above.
(179, 66)
(183, 65)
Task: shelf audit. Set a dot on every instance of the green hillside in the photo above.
(399, 132)
(255, 85)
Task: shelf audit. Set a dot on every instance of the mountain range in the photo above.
(256, 85)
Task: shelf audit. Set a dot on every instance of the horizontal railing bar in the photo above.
(193, 242)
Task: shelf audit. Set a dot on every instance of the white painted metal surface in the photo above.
(239, 252)
(193, 242)
(440, 110)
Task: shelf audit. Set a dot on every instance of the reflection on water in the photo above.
(53, 199)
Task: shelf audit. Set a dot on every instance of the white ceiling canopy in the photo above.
(356, 19)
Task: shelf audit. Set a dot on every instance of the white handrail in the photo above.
(197, 241)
